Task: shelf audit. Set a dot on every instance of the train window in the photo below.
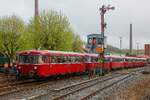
(69, 59)
(94, 41)
(53, 59)
(73, 59)
(111, 59)
(76, 59)
(28, 59)
(64, 59)
(117, 59)
(80, 59)
(94, 59)
(124, 59)
(40, 61)
(128, 60)
(132, 60)
(85, 59)
(59, 59)
(99, 41)
(90, 41)
(45, 59)
(107, 59)
(89, 59)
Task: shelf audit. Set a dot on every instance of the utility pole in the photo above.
(120, 45)
(137, 48)
(36, 8)
(130, 41)
(103, 10)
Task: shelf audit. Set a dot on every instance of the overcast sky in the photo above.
(85, 18)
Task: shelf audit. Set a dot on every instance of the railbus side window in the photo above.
(76, 59)
(69, 59)
(94, 59)
(107, 59)
(85, 59)
(45, 59)
(124, 59)
(117, 59)
(40, 61)
(73, 59)
(53, 59)
(59, 60)
(113, 59)
(80, 59)
(64, 59)
(127, 60)
(89, 59)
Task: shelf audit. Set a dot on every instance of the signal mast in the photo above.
(103, 10)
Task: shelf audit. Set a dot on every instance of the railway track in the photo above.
(5, 78)
(55, 93)
(74, 92)
(90, 95)
(17, 86)
(20, 86)
(58, 93)
(71, 91)
(15, 83)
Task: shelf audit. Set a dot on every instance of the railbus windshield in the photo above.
(28, 59)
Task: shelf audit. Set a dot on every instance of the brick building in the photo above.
(147, 49)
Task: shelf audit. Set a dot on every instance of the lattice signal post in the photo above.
(103, 10)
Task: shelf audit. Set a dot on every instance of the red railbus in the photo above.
(45, 63)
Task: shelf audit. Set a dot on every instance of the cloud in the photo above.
(85, 18)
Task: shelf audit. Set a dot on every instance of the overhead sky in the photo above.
(84, 17)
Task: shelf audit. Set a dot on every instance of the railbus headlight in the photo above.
(19, 67)
(35, 67)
